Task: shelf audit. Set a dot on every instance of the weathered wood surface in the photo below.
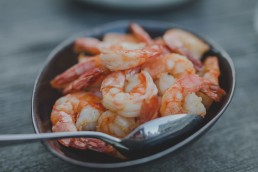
(30, 29)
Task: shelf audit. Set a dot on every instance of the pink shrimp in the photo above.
(116, 125)
(211, 72)
(181, 97)
(149, 109)
(167, 68)
(143, 36)
(125, 95)
(61, 80)
(187, 44)
(127, 55)
(140, 33)
(140, 97)
(84, 80)
(174, 64)
(116, 38)
(113, 57)
(87, 45)
(161, 42)
(77, 112)
(211, 69)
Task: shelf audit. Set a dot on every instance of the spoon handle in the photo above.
(11, 139)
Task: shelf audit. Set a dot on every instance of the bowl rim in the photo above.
(117, 24)
(141, 5)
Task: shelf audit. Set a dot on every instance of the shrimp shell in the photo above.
(74, 72)
(116, 38)
(115, 125)
(88, 45)
(185, 43)
(79, 111)
(140, 33)
(127, 55)
(174, 97)
(125, 96)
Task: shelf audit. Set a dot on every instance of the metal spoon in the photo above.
(145, 136)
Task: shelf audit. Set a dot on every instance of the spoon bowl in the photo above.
(63, 57)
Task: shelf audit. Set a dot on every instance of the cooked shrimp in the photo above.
(87, 45)
(187, 44)
(78, 112)
(113, 57)
(127, 55)
(115, 125)
(164, 82)
(211, 69)
(149, 110)
(143, 36)
(85, 80)
(211, 72)
(116, 38)
(125, 96)
(161, 42)
(71, 74)
(95, 91)
(166, 69)
(181, 97)
(140, 33)
(174, 64)
(89, 81)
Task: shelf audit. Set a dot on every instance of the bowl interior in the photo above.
(63, 57)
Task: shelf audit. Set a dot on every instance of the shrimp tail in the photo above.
(74, 72)
(196, 62)
(149, 109)
(185, 43)
(152, 51)
(95, 145)
(140, 33)
(88, 45)
(194, 83)
(91, 143)
(84, 80)
(214, 92)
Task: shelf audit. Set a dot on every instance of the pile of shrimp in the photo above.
(128, 79)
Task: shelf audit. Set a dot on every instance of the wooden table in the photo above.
(30, 29)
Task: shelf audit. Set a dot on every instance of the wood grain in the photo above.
(30, 29)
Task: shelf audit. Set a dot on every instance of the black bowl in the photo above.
(63, 57)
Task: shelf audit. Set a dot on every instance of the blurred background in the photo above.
(30, 29)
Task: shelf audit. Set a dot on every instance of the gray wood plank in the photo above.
(30, 29)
